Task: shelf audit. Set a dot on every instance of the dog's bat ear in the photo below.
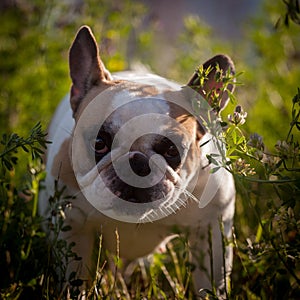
(86, 67)
(213, 81)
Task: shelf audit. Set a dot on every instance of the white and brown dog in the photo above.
(131, 149)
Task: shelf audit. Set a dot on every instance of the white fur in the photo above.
(159, 82)
(216, 200)
(60, 129)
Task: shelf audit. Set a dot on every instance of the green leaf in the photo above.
(214, 170)
(14, 160)
(66, 228)
(7, 164)
(25, 148)
(240, 140)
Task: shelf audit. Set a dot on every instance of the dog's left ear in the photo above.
(224, 64)
(86, 67)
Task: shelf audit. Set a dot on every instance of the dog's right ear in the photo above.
(86, 67)
(225, 64)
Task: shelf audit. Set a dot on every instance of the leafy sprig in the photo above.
(34, 144)
(292, 12)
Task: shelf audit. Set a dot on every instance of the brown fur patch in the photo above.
(137, 89)
(62, 166)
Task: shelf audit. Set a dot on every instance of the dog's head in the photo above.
(136, 148)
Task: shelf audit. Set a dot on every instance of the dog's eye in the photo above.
(167, 149)
(171, 152)
(100, 146)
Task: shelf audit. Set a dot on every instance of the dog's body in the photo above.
(185, 169)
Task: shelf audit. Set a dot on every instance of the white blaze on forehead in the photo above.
(136, 106)
(160, 83)
(121, 98)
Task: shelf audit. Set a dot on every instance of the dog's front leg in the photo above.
(213, 260)
(79, 263)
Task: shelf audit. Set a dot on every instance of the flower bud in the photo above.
(238, 117)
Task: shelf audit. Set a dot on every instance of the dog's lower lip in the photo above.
(132, 200)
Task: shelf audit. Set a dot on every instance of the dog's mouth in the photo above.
(139, 176)
(146, 183)
(134, 194)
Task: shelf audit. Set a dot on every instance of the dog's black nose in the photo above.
(139, 163)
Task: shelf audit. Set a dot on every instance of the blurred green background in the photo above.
(171, 38)
(35, 37)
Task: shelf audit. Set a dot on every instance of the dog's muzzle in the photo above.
(154, 183)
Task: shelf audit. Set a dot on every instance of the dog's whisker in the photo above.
(191, 196)
(163, 195)
(148, 217)
(188, 195)
(181, 202)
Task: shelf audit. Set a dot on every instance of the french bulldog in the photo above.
(133, 152)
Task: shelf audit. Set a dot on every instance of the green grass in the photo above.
(266, 237)
(33, 77)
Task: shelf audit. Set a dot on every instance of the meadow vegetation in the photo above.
(261, 128)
